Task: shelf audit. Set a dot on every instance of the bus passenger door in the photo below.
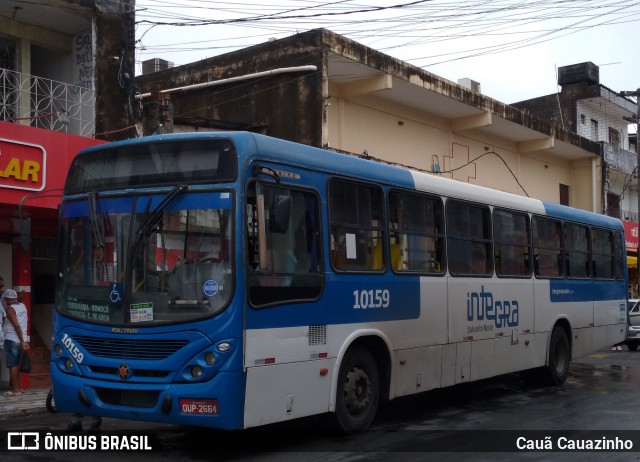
(286, 332)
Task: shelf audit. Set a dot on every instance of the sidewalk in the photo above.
(32, 401)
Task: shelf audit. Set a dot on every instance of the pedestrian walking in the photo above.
(16, 340)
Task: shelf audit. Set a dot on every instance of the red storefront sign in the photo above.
(631, 235)
(34, 163)
(22, 165)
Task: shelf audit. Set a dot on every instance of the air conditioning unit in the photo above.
(155, 65)
(470, 84)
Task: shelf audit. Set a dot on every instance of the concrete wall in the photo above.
(584, 127)
(114, 45)
(288, 106)
(412, 138)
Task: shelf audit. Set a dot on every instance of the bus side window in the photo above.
(603, 251)
(547, 247)
(512, 236)
(416, 240)
(284, 260)
(618, 249)
(469, 239)
(356, 226)
(577, 251)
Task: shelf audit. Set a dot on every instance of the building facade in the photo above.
(66, 82)
(593, 111)
(322, 89)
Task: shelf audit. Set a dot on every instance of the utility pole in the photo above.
(637, 95)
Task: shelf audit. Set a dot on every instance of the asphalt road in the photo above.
(481, 421)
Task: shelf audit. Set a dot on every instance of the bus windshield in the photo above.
(146, 259)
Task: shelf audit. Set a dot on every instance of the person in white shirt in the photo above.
(16, 341)
(3, 315)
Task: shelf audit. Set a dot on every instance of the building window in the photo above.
(614, 136)
(8, 80)
(8, 54)
(564, 194)
(613, 205)
(594, 130)
(583, 119)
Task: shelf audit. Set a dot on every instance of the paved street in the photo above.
(599, 399)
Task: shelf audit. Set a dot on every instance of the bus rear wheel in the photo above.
(358, 391)
(559, 357)
(557, 368)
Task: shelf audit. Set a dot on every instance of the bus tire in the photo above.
(358, 391)
(51, 403)
(559, 357)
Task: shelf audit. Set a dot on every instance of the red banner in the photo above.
(631, 235)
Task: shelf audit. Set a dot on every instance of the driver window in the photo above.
(283, 245)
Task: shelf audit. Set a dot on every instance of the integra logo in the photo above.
(482, 305)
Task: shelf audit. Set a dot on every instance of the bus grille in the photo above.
(129, 349)
(149, 373)
(317, 334)
(133, 398)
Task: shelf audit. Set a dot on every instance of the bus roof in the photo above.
(279, 150)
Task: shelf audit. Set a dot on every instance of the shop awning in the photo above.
(632, 262)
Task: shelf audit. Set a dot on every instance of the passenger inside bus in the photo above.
(101, 271)
(478, 259)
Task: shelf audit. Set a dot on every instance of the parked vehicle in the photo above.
(633, 328)
(230, 280)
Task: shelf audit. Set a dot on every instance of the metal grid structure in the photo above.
(46, 103)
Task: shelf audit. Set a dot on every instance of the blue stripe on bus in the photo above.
(351, 299)
(576, 290)
(568, 213)
(193, 201)
(111, 205)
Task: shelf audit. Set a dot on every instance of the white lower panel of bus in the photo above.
(588, 340)
(280, 392)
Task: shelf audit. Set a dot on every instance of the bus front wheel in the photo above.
(358, 391)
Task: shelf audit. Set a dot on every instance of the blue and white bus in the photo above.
(231, 280)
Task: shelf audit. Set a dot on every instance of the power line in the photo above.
(418, 22)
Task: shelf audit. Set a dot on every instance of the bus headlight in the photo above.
(57, 350)
(196, 372)
(210, 358)
(224, 346)
(68, 364)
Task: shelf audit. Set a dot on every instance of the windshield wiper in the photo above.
(96, 228)
(151, 219)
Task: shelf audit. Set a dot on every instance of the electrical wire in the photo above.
(422, 22)
(480, 157)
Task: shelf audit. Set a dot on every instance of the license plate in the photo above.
(199, 406)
